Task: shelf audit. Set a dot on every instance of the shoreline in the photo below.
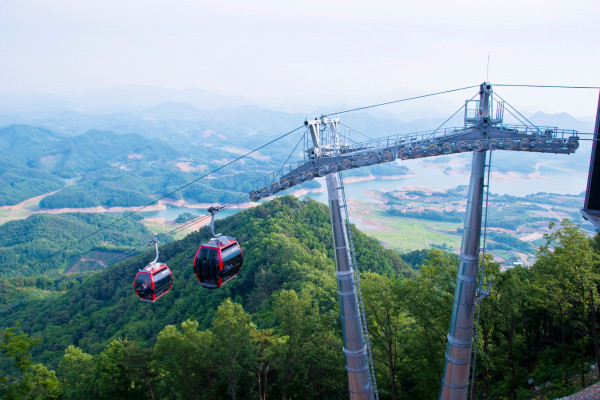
(30, 207)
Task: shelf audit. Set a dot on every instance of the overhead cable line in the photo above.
(202, 217)
(548, 86)
(401, 100)
(197, 220)
(180, 188)
(161, 198)
(228, 164)
(113, 260)
(287, 134)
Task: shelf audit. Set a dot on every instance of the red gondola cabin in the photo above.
(218, 261)
(153, 282)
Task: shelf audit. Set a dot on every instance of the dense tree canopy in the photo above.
(274, 332)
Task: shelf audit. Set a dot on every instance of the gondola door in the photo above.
(231, 257)
(207, 267)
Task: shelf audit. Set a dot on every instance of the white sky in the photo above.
(288, 49)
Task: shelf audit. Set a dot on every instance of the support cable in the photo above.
(359, 132)
(511, 113)
(456, 112)
(348, 137)
(115, 259)
(549, 86)
(401, 100)
(303, 137)
(10, 275)
(480, 294)
(517, 111)
(372, 376)
(519, 119)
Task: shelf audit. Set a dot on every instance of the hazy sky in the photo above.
(335, 50)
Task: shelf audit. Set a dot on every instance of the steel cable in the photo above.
(10, 275)
(401, 100)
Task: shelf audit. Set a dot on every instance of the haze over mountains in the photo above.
(125, 109)
(121, 129)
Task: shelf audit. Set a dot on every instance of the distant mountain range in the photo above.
(120, 98)
(79, 133)
(137, 98)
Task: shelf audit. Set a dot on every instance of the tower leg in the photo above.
(455, 380)
(355, 350)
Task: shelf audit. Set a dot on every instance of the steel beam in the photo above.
(457, 363)
(455, 380)
(355, 349)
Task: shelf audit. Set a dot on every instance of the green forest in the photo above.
(274, 331)
(29, 246)
(104, 168)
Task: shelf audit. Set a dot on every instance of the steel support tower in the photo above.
(326, 153)
(591, 205)
(455, 380)
(355, 348)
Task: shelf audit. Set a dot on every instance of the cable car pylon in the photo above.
(355, 348)
(361, 304)
(331, 153)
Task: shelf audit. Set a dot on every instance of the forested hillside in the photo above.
(104, 168)
(27, 245)
(274, 330)
(37, 252)
(35, 161)
(287, 245)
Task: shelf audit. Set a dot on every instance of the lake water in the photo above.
(435, 176)
(431, 176)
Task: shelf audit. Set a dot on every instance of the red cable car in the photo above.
(218, 261)
(154, 281)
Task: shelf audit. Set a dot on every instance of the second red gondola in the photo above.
(154, 280)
